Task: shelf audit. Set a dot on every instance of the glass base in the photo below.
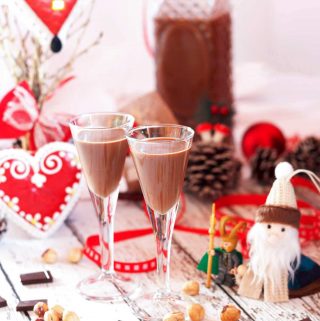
(154, 306)
(111, 288)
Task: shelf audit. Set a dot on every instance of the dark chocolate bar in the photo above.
(24, 306)
(3, 302)
(36, 278)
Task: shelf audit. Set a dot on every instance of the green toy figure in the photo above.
(225, 258)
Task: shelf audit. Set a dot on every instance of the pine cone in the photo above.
(263, 164)
(306, 155)
(212, 170)
(3, 226)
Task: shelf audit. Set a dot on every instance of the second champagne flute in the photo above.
(102, 148)
(160, 154)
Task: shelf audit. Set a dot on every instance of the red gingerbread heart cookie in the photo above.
(39, 191)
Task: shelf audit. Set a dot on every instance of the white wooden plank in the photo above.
(9, 313)
(22, 255)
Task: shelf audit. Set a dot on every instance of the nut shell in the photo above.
(191, 288)
(70, 316)
(49, 256)
(241, 270)
(58, 309)
(40, 309)
(196, 312)
(174, 316)
(75, 255)
(230, 313)
(51, 316)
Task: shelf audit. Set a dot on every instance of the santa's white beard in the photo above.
(272, 251)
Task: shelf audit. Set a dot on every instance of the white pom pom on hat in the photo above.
(282, 192)
(283, 169)
(281, 204)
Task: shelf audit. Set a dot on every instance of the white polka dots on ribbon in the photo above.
(124, 267)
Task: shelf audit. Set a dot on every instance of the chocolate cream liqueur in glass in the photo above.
(102, 156)
(161, 164)
(102, 147)
(160, 155)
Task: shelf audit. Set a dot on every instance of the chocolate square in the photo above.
(25, 306)
(3, 302)
(36, 278)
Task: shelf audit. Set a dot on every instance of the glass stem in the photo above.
(163, 225)
(105, 209)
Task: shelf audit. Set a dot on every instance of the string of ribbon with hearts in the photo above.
(309, 229)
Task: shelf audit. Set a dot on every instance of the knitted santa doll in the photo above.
(277, 269)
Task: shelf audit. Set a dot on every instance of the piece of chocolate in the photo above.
(36, 278)
(25, 306)
(3, 302)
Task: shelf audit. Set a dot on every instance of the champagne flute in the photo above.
(102, 147)
(160, 155)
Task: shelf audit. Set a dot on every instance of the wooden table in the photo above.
(20, 253)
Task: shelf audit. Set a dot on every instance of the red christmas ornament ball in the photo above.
(263, 134)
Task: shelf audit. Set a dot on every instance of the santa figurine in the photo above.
(277, 270)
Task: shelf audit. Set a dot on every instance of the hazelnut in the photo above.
(49, 256)
(75, 255)
(191, 288)
(70, 316)
(51, 316)
(196, 312)
(40, 309)
(174, 316)
(241, 270)
(58, 309)
(230, 313)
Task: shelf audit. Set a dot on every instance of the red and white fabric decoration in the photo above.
(47, 19)
(18, 111)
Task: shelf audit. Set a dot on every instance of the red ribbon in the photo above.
(309, 227)
(50, 128)
(20, 114)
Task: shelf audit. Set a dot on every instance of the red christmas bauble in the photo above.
(262, 134)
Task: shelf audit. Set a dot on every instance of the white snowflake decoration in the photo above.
(34, 220)
(71, 191)
(38, 180)
(3, 178)
(12, 202)
(50, 220)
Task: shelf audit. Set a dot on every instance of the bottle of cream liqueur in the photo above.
(193, 56)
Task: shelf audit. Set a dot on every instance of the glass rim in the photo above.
(188, 136)
(73, 119)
